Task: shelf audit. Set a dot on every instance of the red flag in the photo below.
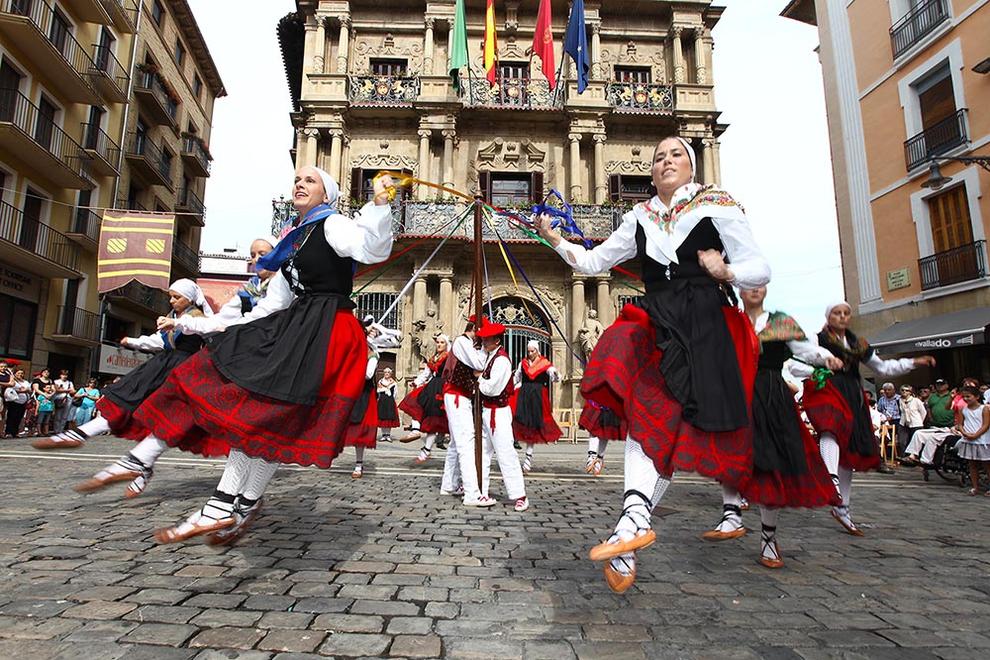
(543, 42)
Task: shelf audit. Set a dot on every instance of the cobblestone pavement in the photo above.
(385, 566)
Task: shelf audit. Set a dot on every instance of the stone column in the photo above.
(343, 44)
(300, 147)
(708, 158)
(675, 35)
(575, 169)
(700, 62)
(336, 144)
(448, 157)
(424, 162)
(601, 178)
(446, 311)
(428, 47)
(718, 163)
(604, 302)
(596, 52)
(312, 146)
(309, 44)
(577, 308)
(419, 298)
(320, 45)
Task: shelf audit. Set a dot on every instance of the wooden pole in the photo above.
(478, 311)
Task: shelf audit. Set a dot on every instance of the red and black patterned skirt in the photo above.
(624, 375)
(544, 433)
(425, 405)
(198, 409)
(601, 422)
(363, 428)
(388, 415)
(829, 412)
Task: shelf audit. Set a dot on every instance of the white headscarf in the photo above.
(271, 240)
(330, 187)
(535, 345)
(191, 292)
(445, 338)
(691, 155)
(832, 306)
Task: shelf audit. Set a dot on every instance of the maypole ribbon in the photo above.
(403, 180)
(563, 215)
(486, 213)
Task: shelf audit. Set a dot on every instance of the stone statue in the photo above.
(589, 334)
(424, 333)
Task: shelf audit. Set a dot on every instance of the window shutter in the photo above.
(536, 192)
(614, 188)
(485, 184)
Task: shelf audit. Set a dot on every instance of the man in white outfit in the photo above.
(464, 364)
(496, 385)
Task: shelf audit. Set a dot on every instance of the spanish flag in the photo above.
(135, 246)
(490, 45)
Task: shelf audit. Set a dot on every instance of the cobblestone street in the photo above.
(385, 566)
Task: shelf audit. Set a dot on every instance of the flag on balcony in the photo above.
(576, 44)
(458, 46)
(135, 246)
(490, 44)
(543, 42)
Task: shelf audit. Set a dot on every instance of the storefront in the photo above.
(20, 293)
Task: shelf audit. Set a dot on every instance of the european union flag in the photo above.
(576, 44)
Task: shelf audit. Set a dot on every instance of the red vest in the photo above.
(502, 400)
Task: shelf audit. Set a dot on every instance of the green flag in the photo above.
(458, 46)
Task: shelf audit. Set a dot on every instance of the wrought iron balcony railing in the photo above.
(187, 199)
(960, 264)
(37, 237)
(149, 83)
(382, 90)
(78, 323)
(640, 97)
(140, 144)
(936, 140)
(96, 139)
(87, 223)
(185, 256)
(196, 155)
(42, 15)
(917, 24)
(123, 12)
(513, 93)
(16, 109)
(106, 63)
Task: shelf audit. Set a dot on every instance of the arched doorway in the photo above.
(523, 322)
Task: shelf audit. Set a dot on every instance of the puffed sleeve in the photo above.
(746, 260)
(617, 248)
(809, 351)
(423, 377)
(367, 238)
(890, 368)
(147, 343)
(278, 297)
(498, 379)
(206, 325)
(369, 372)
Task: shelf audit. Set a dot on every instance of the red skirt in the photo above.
(546, 433)
(428, 423)
(814, 488)
(592, 421)
(122, 422)
(198, 409)
(364, 433)
(624, 375)
(388, 414)
(828, 411)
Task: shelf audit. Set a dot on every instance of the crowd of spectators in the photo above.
(42, 405)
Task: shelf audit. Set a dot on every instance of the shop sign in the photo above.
(19, 283)
(118, 360)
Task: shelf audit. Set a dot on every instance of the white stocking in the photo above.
(644, 488)
(95, 426)
(429, 441)
(731, 511)
(359, 455)
(260, 473)
(148, 450)
(235, 473)
(845, 485)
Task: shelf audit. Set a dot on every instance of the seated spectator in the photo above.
(913, 415)
(942, 419)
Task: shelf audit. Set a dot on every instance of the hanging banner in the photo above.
(135, 246)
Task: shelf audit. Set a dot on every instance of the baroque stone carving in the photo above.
(365, 49)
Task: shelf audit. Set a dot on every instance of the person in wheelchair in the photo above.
(945, 415)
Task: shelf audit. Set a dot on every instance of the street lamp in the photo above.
(935, 179)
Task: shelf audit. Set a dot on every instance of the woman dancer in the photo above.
(121, 399)
(839, 410)
(532, 413)
(602, 426)
(787, 467)
(679, 363)
(425, 402)
(138, 464)
(279, 383)
(388, 415)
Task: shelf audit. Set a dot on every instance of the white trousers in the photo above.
(460, 422)
(926, 441)
(499, 442)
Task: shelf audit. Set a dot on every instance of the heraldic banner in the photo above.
(135, 246)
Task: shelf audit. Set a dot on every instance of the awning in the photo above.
(953, 330)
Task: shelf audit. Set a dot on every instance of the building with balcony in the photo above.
(906, 87)
(372, 95)
(103, 103)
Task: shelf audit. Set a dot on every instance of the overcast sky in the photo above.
(775, 155)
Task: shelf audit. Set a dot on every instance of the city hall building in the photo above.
(371, 91)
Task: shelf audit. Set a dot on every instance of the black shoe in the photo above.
(516, 445)
(441, 445)
(885, 469)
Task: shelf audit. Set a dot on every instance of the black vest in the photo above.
(317, 268)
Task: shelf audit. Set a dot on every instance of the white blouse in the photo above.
(807, 350)
(747, 262)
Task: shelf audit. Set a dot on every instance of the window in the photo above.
(17, 321)
(58, 31)
(197, 86)
(633, 74)
(133, 197)
(80, 221)
(10, 83)
(512, 189)
(363, 187)
(180, 52)
(34, 202)
(513, 82)
(376, 304)
(44, 127)
(104, 50)
(166, 163)
(935, 97)
(158, 13)
(91, 138)
(388, 67)
(950, 221)
(630, 188)
(942, 123)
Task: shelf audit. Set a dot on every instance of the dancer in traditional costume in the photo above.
(602, 426)
(839, 410)
(388, 414)
(679, 364)
(532, 413)
(787, 468)
(460, 381)
(497, 385)
(121, 399)
(425, 402)
(278, 386)
(137, 465)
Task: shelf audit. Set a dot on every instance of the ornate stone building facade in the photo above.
(373, 94)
